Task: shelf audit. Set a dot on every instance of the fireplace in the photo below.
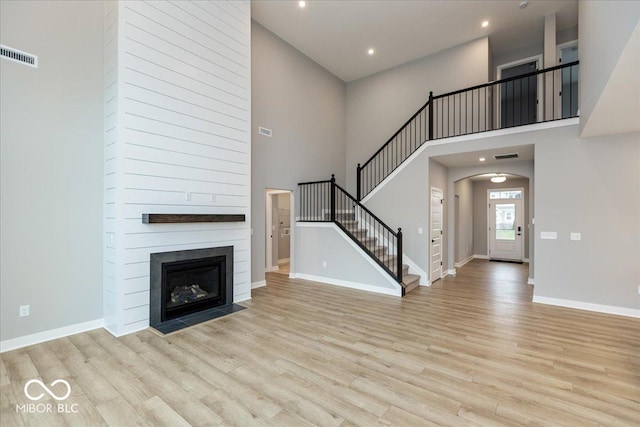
(189, 286)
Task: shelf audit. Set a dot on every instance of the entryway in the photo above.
(278, 248)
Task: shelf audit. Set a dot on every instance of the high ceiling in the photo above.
(337, 33)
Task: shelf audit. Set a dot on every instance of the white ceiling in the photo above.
(337, 34)
(525, 152)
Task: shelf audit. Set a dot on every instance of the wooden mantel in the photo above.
(186, 218)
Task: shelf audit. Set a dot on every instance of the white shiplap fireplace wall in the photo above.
(177, 140)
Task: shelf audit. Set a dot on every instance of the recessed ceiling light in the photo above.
(482, 159)
(371, 51)
(485, 24)
(302, 4)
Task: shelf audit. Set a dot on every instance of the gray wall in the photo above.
(464, 219)
(326, 244)
(604, 29)
(480, 212)
(378, 105)
(304, 105)
(597, 196)
(51, 166)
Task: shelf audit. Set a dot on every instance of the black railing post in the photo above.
(358, 181)
(430, 116)
(333, 198)
(399, 254)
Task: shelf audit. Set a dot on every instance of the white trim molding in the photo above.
(478, 256)
(451, 272)
(258, 284)
(348, 284)
(600, 308)
(531, 281)
(463, 262)
(52, 334)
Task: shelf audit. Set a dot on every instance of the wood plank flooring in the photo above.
(470, 350)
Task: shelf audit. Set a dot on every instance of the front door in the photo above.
(437, 199)
(506, 228)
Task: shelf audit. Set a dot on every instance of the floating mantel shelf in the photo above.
(185, 218)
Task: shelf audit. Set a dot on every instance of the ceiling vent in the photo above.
(16, 55)
(506, 156)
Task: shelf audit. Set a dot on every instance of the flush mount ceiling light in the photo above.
(523, 4)
(302, 4)
(485, 24)
(498, 178)
(371, 51)
(482, 159)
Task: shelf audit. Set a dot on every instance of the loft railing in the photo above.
(326, 201)
(536, 97)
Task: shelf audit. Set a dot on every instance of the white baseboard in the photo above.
(531, 281)
(258, 284)
(352, 285)
(463, 262)
(52, 334)
(525, 260)
(600, 308)
(450, 272)
(478, 256)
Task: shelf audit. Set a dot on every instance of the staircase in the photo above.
(481, 108)
(347, 221)
(326, 201)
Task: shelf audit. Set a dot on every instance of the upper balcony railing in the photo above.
(536, 97)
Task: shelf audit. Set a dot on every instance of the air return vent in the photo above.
(16, 55)
(506, 156)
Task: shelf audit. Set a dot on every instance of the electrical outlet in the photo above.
(548, 235)
(24, 310)
(420, 231)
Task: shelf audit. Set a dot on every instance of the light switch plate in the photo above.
(576, 236)
(548, 235)
(419, 230)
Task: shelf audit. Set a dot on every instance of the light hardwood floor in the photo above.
(470, 350)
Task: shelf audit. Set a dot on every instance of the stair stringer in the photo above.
(325, 241)
(413, 267)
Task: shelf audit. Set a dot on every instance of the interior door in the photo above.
(437, 199)
(518, 103)
(506, 229)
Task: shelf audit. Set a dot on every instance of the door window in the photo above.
(505, 221)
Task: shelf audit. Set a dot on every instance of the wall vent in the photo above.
(264, 131)
(19, 56)
(506, 156)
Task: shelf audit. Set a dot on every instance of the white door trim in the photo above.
(524, 229)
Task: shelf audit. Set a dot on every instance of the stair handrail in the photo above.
(332, 197)
(384, 167)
